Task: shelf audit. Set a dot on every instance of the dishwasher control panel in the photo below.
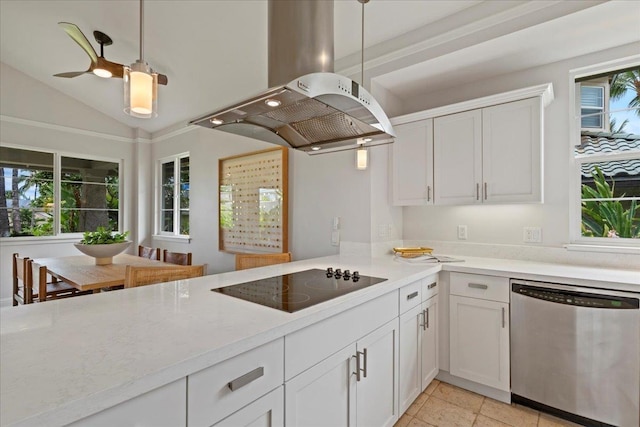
(577, 298)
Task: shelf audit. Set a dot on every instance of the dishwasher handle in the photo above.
(558, 295)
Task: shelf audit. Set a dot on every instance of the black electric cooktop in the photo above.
(295, 291)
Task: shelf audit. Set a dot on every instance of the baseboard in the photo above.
(6, 302)
(502, 396)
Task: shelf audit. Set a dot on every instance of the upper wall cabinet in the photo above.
(413, 164)
(491, 155)
(483, 151)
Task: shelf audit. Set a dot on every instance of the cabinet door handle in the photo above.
(426, 318)
(361, 372)
(478, 286)
(246, 379)
(428, 193)
(422, 324)
(412, 295)
(503, 320)
(364, 373)
(485, 191)
(477, 191)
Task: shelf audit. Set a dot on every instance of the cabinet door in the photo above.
(429, 342)
(377, 390)
(164, 406)
(268, 411)
(413, 164)
(323, 395)
(512, 152)
(409, 378)
(457, 145)
(479, 341)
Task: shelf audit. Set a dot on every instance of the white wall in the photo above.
(34, 115)
(504, 224)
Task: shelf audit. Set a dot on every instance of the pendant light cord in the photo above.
(141, 30)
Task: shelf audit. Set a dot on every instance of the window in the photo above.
(607, 159)
(173, 213)
(46, 194)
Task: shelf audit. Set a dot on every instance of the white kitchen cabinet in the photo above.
(418, 364)
(489, 155)
(331, 393)
(164, 406)
(413, 164)
(479, 329)
(268, 411)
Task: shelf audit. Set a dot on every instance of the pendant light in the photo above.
(141, 83)
(362, 155)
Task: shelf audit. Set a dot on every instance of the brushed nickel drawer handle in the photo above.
(422, 324)
(428, 193)
(478, 286)
(246, 379)
(485, 191)
(503, 321)
(477, 191)
(412, 295)
(426, 317)
(431, 286)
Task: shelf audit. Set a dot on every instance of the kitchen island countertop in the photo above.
(77, 356)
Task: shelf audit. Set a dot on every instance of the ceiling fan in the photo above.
(99, 66)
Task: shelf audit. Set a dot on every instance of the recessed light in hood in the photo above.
(318, 109)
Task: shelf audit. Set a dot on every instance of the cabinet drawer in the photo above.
(429, 287)
(410, 295)
(222, 389)
(480, 286)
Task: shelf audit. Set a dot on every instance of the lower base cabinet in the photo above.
(268, 411)
(354, 387)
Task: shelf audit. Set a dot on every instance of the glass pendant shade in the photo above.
(361, 158)
(140, 91)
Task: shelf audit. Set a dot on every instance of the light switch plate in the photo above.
(335, 238)
(532, 235)
(462, 232)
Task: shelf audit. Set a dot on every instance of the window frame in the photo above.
(605, 99)
(175, 234)
(57, 178)
(576, 240)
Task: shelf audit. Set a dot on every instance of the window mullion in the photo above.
(57, 195)
(176, 197)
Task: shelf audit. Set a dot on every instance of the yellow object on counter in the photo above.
(412, 252)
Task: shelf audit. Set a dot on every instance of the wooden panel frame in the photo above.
(255, 168)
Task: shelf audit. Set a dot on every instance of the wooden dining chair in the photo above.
(142, 276)
(244, 261)
(178, 258)
(29, 287)
(147, 252)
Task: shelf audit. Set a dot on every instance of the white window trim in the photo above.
(57, 166)
(175, 234)
(577, 241)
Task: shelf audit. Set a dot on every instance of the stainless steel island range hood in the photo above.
(308, 107)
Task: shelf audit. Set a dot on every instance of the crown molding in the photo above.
(187, 128)
(545, 91)
(68, 129)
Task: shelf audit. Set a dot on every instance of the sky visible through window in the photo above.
(633, 126)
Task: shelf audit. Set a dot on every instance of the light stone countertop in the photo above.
(77, 356)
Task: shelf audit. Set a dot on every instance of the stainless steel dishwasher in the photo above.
(575, 352)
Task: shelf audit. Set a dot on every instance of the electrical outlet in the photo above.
(532, 235)
(335, 238)
(462, 232)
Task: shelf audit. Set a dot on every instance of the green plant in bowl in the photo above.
(102, 236)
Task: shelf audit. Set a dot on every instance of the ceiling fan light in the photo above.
(140, 91)
(101, 72)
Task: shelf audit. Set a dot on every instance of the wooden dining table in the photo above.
(82, 272)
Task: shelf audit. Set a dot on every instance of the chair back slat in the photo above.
(22, 280)
(178, 258)
(147, 252)
(142, 276)
(244, 261)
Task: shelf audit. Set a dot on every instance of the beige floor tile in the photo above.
(547, 420)
(444, 414)
(418, 423)
(482, 421)
(403, 421)
(515, 416)
(417, 404)
(432, 386)
(458, 396)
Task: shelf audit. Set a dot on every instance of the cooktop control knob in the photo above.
(329, 272)
(356, 276)
(346, 275)
(338, 273)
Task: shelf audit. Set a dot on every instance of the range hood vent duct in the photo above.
(308, 107)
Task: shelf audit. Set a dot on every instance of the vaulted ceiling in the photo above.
(215, 52)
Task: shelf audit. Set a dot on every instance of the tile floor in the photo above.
(444, 405)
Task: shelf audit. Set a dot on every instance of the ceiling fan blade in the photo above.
(77, 35)
(70, 74)
(162, 79)
(116, 70)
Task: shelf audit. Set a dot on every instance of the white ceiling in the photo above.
(215, 52)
